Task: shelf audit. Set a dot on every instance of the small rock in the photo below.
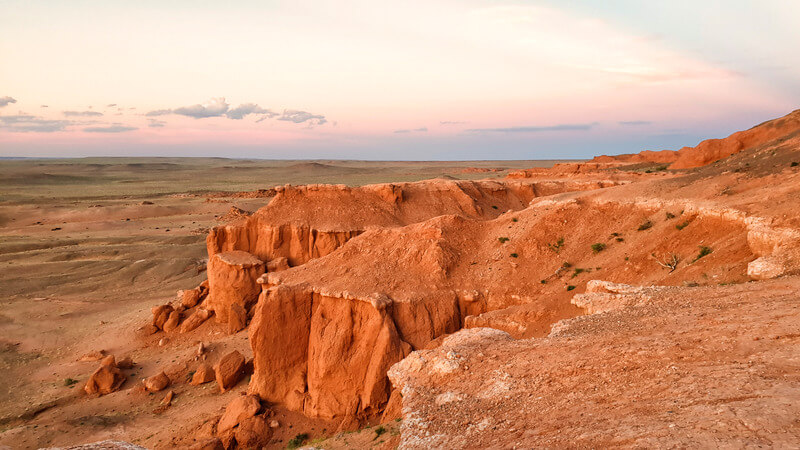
(238, 410)
(93, 356)
(190, 297)
(253, 433)
(157, 382)
(168, 398)
(106, 379)
(195, 320)
(172, 323)
(229, 370)
(161, 315)
(203, 374)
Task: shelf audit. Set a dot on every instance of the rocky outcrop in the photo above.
(326, 356)
(232, 279)
(106, 379)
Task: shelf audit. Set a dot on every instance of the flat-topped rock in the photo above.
(238, 258)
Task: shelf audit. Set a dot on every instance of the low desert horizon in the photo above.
(413, 225)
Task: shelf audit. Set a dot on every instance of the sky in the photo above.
(410, 80)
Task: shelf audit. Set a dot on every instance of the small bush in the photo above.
(557, 246)
(794, 164)
(646, 225)
(619, 239)
(577, 272)
(566, 265)
(379, 431)
(598, 247)
(571, 287)
(543, 282)
(503, 240)
(670, 215)
(494, 207)
(615, 234)
(514, 219)
(297, 441)
(69, 381)
(682, 225)
(704, 251)
(514, 255)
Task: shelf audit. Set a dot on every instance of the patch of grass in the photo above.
(646, 225)
(704, 251)
(514, 219)
(543, 282)
(615, 234)
(794, 164)
(577, 272)
(598, 247)
(514, 255)
(379, 431)
(571, 287)
(619, 239)
(297, 441)
(682, 225)
(503, 240)
(556, 246)
(670, 215)
(494, 206)
(70, 381)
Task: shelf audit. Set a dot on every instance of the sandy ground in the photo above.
(88, 246)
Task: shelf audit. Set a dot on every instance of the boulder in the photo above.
(172, 322)
(238, 410)
(766, 268)
(203, 374)
(237, 318)
(232, 278)
(161, 315)
(253, 433)
(277, 264)
(195, 320)
(95, 355)
(229, 370)
(106, 379)
(190, 297)
(156, 382)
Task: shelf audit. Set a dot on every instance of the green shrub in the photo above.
(379, 431)
(670, 215)
(297, 441)
(566, 265)
(557, 246)
(69, 381)
(682, 225)
(514, 255)
(503, 240)
(704, 251)
(543, 282)
(514, 219)
(571, 287)
(646, 225)
(598, 247)
(577, 272)
(794, 164)
(619, 239)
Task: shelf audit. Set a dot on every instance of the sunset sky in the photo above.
(389, 80)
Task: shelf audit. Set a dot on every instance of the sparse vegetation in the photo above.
(682, 225)
(598, 247)
(794, 164)
(297, 441)
(619, 239)
(503, 240)
(494, 206)
(514, 255)
(571, 287)
(514, 219)
(566, 265)
(543, 282)
(704, 251)
(70, 381)
(668, 262)
(379, 431)
(646, 225)
(577, 272)
(556, 246)
(670, 215)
